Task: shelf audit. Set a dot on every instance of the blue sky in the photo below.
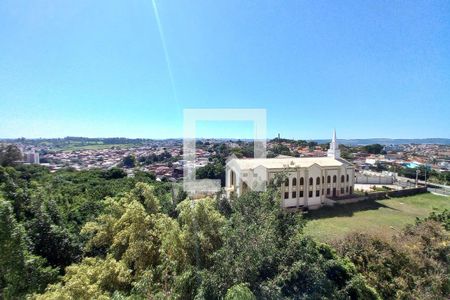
(98, 68)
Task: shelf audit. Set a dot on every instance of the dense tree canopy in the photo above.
(280, 149)
(157, 158)
(21, 272)
(129, 161)
(412, 265)
(373, 148)
(9, 155)
(213, 170)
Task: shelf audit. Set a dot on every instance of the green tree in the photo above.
(239, 292)
(20, 271)
(201, 226)
(312, 144)
(263, 246)
(48, 233)
(9, 155)
(94, 278)
(215, 170)
(114, 173)
(412, 265)
(374, 148)
(133, 230)
(129, 161)
(280, 149)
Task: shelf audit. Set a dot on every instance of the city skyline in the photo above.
(109, 69)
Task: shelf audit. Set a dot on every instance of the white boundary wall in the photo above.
(365, 179)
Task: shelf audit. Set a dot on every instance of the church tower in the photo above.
(334, 147)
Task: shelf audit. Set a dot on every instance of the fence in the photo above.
(381, 195)
(440, 191)
(365, 179)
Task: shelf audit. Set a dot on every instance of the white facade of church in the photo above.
(309, 180)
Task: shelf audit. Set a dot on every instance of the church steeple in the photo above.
(334, 147)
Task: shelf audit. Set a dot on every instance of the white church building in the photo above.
(309, 181)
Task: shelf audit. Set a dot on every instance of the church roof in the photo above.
(289, 162)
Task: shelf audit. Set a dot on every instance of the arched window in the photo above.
(302, 181)
(334, 178)
(318, 180)
(342, 178)
(294, 182)
(328, 179)
(286, 182)
(347, 177)
(310, 181)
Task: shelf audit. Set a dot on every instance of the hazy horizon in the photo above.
(222, 138)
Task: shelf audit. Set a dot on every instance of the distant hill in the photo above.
(137, 141)
(386, 141)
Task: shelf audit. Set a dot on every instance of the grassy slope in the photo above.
(383, 215)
